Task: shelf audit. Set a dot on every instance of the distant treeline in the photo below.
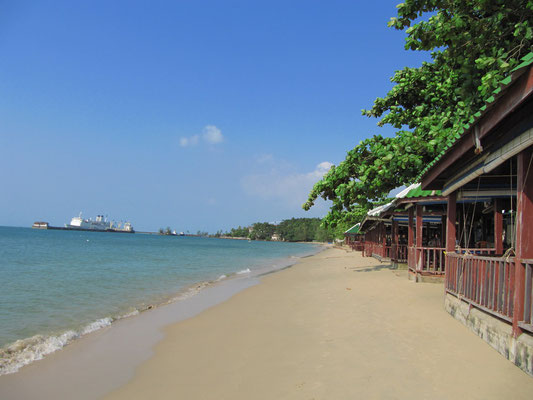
(289, 230)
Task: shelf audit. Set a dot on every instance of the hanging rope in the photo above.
(473, 212)
(462, 236)
(508, 254)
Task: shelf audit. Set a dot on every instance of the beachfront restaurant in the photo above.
(411, 230)
(353, 238)
(393, 233)
(486, 175)
(376, 229)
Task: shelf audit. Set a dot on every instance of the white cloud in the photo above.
(210, 135)
(189, 141)
(263, 158)
(279, 183)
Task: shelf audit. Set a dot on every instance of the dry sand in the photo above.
(335, 326)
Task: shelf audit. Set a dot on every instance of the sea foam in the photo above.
(25, 351)
(244, 271)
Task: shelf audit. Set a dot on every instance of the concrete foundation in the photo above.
(419, 278)
(494, 331)
(381, 259)
(401, 266)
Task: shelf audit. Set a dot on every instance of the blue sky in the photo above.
(199, 115)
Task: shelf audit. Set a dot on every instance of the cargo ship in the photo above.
(100, 224)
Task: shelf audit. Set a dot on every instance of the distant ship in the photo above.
(100, 224)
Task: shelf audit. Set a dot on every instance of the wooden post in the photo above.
(395, 240)
(410, 233)
(498, 226)
(383, 239)
(524, 232)
(419, 226)
(443, 231)
(450, 222)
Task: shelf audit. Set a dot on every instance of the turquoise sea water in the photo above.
(59, 285)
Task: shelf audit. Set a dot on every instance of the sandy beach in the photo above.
(334, 326)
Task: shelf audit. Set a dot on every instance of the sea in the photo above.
(57, 286)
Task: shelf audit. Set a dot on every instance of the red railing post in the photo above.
(383, 240)
(418, 252)
(395, 240)
(450, 222)
(449, 244)
(411, 262)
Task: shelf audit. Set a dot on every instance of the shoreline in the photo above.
(25, 351)
(98, 335)
(331, 326)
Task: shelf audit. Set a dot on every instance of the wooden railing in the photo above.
(411, 258)
(401, 255)
(429, 260)
(356, 245)
(527, 321)
(368, 249)
(486, 282)
(387, 251)
(377, 250)
(476, 251)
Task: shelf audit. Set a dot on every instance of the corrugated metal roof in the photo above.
(378, 210)
(418, 192)
(413, 191)
(526, 61)
(404, 192)
(354, 229)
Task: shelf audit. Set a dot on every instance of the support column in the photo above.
(411, 262)
(383, 240)
(450, 222)
(394, 241)
(410, 232)
(498, 226)
(443, 231)
(419, 226)
(524, 232)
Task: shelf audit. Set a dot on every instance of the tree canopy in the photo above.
(473, 44)
(291, 230)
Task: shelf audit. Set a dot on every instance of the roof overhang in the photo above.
(444, 174)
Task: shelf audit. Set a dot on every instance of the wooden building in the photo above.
(470, 221)
(491, 165)
(354, 238)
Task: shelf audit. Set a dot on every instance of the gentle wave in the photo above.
(25, 351)
(244, 271)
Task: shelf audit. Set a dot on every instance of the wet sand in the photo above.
(334, 326)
